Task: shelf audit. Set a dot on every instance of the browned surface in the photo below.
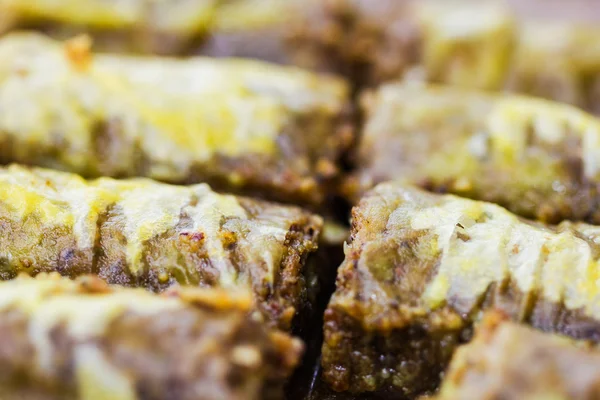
(510, 361)
(366, 41)
(190, 263)
(486, 147)
(193, 352)
(382, 337)
(292, 126)
(179, 255)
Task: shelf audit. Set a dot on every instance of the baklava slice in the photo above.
(510, 361)
(420, 268)
(142, 233)
(537, 158)
(239, 125)
(83, 339)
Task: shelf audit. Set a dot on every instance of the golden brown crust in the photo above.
(534, 157)
(240, 125)
(421, 267)
(147, 234)
(81, 339)
(507, 360)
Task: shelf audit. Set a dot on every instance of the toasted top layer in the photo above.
(521, 152)
(87, 305)
(188, 109)
(507, 360)
(243, 242)
(413, 252)
(80, 323)
(494, 125)
(172, 118)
